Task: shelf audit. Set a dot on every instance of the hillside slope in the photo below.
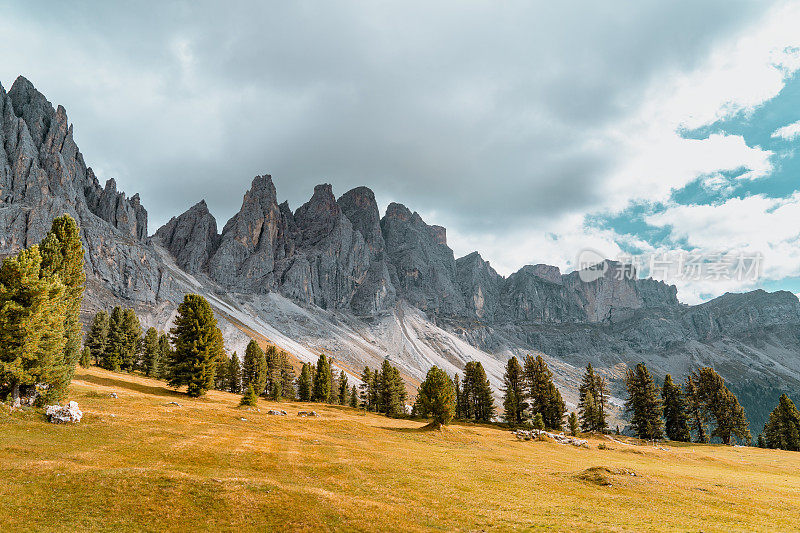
(138, 463)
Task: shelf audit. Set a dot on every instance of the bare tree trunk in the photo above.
(15, 396)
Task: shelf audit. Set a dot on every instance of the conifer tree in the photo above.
(250, 398)
(573, 424)
(165, 355)
(676, 423)
(391, 390)
(288, 377)
(116, 345)
(514, 404)
(132, 333)
(234, 375)
(477, 393)
(305, 384)
(761, 442)
(198, 346)
(374, 390)
(716, 399)
(353, 402)
(545, 397)
(782, 430)
(344, 389)
(459, 398)
(364, 396)
(696, 414)
(436, 397)
(97, 338)
(86, 357)
(32, 322)
(643, 403)
(279, 375)
(538, 421)
(323, 380)
(151, 353)
(592, 398)
(62, 256)
(221, 372)
(254, 368)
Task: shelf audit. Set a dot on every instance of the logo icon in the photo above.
(591, 265)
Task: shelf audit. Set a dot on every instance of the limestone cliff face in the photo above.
(618, 292)
(376, 292)
(250, 241)
(191, 238)
(421, 265)
(43, 175)
(480, 286)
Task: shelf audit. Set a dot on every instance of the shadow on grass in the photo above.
(122, 384)
(428, 428)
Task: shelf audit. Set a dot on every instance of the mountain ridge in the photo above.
(334, 275)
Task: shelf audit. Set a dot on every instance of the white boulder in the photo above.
(70, 413)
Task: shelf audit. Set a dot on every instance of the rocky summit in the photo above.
(334, 275)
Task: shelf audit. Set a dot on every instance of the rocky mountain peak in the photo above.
(317, 217)
(398, 211)
(191, 237)
(361, 209)
(32, 106)
(546, 272)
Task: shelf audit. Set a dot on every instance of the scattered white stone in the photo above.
(70, 413)
(560, 438)
(113, 394)
(174, 403)
(276, 412)
(243, 419)
(307, 413)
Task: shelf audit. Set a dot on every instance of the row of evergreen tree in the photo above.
(115, 342)
(703, 408)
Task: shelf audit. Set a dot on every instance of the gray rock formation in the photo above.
(43, 175)
(422, 267)
(191, 238)
(376, 292)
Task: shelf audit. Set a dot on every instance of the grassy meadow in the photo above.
(137, 463)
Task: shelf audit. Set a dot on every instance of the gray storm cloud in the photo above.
(482, 112)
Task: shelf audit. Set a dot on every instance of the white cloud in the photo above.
(752, 225)
(788, 132)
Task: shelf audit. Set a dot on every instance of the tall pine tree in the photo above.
(643, 403)
(97, 338)
(592, 398)
(722, 405)
(151, 353)
(32, 321)
(545, 397)
(254, 368)
(198, 346)
(62, 256)
(514, 404)
(323, 380)
(782, 430)
(235, 374)
(436, 397)
(676, 424)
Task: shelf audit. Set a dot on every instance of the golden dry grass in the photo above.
(136, 463)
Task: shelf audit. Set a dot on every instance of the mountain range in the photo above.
(334, 275)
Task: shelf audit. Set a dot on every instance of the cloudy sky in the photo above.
(530, 130)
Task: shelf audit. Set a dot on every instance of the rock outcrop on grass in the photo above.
(560, 438)
(69, 414)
